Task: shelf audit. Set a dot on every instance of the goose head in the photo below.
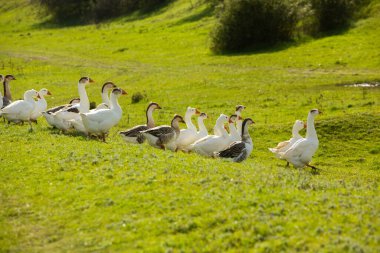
(9, 78)
(74, 101)
(30, 94)
(239, 109)
(153, 106)
(108, 86)
(176, 120)
(192, 111)
(44, 92)
(247, 122)
(315, 112)
(222, 119)
(85, 80)
(118, 92)
(299, 125)
(232, 119)
(203, 115)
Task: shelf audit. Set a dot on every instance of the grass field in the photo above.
(64, 193)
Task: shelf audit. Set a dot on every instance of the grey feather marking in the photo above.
(6, 101)
(73, 109)
(234, 150)
(134, 131)
(55, 109)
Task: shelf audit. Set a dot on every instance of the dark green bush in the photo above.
(85, 11)
(137, 97)
(253, 23)
(335, 14)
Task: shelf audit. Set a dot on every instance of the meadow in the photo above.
(66, 193)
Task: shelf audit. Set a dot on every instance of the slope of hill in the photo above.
(63, 192)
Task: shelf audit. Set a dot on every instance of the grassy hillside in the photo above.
(62, 192)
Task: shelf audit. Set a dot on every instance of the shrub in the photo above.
(253, 23)
(335, 14)
(85, 11)
(137, 97)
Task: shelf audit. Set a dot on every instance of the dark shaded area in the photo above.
(76, 12)
(255, 25)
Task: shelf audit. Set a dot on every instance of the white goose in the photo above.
(234, 134)
(20, 110)
(99, 122)
(302, 151)
(7, 99)
(203, 132)
(133, 134)
(213, 143)
(41, 105)
(239, 121)
(238, 151)
(285, 145)
(62, 117)
(77, 122)
(164, 136)
(188, 135)
(49, 114)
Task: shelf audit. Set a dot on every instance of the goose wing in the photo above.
(163, 133)
(134, 131)
(234, 150)
(296, 150)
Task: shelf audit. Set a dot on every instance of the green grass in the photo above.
(64, 193)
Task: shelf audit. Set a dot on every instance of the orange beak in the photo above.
(158, 107)
(48, 93)
(197, 111)
(123, 92)
(38, 96)
(240, 118)
(91, 81)
(304, 125)
(225, 127)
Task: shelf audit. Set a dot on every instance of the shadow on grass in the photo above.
(123, 17)
(207, 12)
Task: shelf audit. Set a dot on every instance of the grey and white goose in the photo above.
(164, 136)
(133, 134)
(49, 114)
(7, 99)
(238, 151)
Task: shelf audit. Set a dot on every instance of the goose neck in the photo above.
(188, 120)
(311, 133)
(201, 125)
(7, 90)
(233, 130)
(149, 117)
(105, 98)
(175, 126)
(84, 104)
(114, 103)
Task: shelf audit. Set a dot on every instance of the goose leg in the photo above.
(30, 124)
(287, 165)
(314, 169)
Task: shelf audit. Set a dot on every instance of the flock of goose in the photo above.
(235, 144)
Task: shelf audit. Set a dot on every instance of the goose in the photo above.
(99, 122)
(239, 121)
(164, 136)
(7, 99)
(187, 136)
(20, 110)
(234, 134)
(285, 145)
(49, 114)
(41, 105)
(133, 134)
(77, 122)
(238, 151)
(62, 117)
(203, 132)
(302, 151)
(213, 143)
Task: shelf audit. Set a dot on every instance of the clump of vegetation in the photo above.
(252, 23)
(255, 23)
(85, 11)
(137, 97)
(335, 14)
